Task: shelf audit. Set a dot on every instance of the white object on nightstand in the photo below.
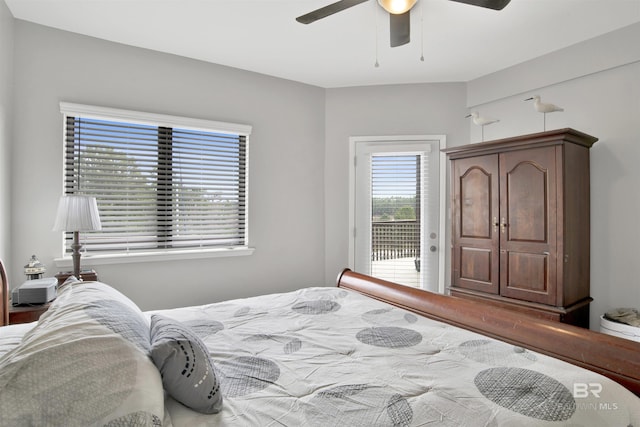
(37, 291)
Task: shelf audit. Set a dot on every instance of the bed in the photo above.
(364, 353)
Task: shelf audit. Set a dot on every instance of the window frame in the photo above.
(160, 120)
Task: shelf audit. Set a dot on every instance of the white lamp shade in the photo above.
(77, 213)
(397, 6)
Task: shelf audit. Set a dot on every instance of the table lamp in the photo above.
(77, 213)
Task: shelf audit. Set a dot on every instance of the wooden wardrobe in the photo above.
(520, 224)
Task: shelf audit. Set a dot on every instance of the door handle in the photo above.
(496, 224)
(503, 225)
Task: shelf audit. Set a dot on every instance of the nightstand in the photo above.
(85, 275)
(26, 313)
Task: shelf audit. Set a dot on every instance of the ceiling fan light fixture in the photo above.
(397, 7)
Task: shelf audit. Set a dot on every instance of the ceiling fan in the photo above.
(399, 10)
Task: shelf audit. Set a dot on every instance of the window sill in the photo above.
(126, 258)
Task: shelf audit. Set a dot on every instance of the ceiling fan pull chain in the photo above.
(422, 31)
(375, 20)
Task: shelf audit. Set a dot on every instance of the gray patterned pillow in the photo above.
(183, 361)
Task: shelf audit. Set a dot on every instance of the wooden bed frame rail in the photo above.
(613, 357)
(4, 296)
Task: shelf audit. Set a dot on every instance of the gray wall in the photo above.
(6, 124)
(602, 99)
(286, 205)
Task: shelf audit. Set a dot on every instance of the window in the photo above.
(162, 183)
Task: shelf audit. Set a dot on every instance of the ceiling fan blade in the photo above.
(400, 26)
(323, 12)
(489, 4)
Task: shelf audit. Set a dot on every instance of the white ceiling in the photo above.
(460, 42)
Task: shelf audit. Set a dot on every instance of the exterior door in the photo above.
(397, 211)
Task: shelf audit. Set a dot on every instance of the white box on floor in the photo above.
(619, 329)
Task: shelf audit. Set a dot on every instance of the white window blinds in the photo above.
(160, 186)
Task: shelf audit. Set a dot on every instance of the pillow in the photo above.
(69, 280)
(84, 363)
(183, 361)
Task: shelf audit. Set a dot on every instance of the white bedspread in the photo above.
(331, 357)
(10, 336)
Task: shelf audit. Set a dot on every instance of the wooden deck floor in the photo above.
(401, 270)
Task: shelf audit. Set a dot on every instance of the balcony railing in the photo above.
(395, 239)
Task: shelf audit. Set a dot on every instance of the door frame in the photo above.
(442, 139)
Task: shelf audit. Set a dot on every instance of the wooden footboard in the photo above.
(613, 357)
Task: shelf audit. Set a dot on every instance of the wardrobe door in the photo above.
(528, 224)
(475, 237)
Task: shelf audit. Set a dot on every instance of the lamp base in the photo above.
(75, 253)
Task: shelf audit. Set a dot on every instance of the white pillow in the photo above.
(85, 363)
